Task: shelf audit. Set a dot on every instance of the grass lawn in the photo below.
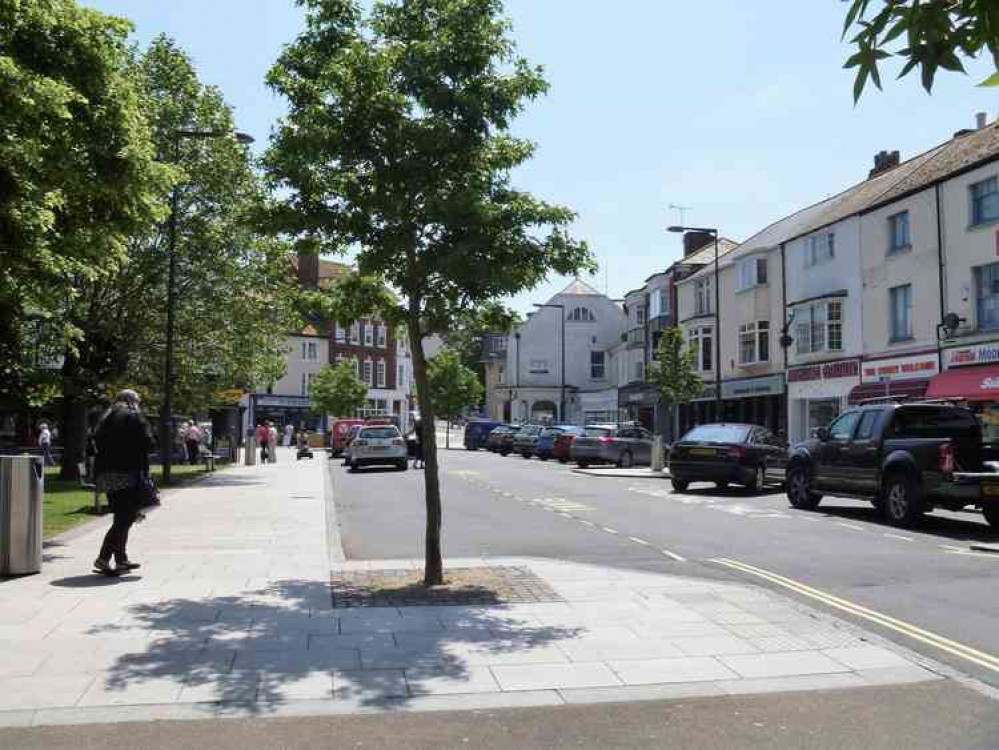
(66, 505)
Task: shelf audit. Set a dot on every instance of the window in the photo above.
(598, 369)
(655, 305)
(380, 373)
(640, 315)
(985, 201)
(381, 336)
(369, 334)
(663, 296)
(754, 343)
(702, 297)
(702, 339)
(402, 377)
(305, 385)
(898, 232)
(355, 335)
(638, 371)
(367, 371)
(357, 367)
(581, 315)
(752, 272)
(310, 351)
(868, 422)
(819, 248)
(819, 327)
(538, 366)
(987, 295)
(901, 312)
(339, 334)
(842, 428)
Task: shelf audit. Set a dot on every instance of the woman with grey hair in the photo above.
(121, 469)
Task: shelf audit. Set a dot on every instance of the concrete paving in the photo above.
(231, 615)
(637, 472)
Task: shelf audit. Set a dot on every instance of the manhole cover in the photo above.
(500, 584)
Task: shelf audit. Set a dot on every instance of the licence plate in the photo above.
(990, 490)
(702, 451)
(379, 447)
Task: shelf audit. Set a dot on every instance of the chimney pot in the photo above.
(980, 120)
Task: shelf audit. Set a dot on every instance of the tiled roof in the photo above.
(707, 253)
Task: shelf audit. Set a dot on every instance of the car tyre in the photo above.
(680, 485)
(759, 480)
(902, 504)
(402, 465)
(991, 513)
(582, 464)
(721, 485)
(626, 461)
(799, 492)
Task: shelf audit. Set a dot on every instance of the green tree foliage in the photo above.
(397, 144)
(927, 35)
(78, 170)
(672, 370)
(466, 334)
(453, 387)
(338, 391)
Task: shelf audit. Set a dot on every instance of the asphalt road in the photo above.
(926, 577)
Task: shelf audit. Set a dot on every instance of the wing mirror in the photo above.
(822, 433)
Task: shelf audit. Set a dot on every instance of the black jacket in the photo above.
(123, 441)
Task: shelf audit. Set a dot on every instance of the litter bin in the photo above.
(22, 487)
(250, 448)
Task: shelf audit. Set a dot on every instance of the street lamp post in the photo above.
(166, 411)
(718, 393)
(561, 405)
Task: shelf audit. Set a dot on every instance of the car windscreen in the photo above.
(717, 433)
(379, 433)
(597, 431)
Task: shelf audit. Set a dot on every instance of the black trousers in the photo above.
(125, 506)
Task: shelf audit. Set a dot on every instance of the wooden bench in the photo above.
(81, 469)
(208, 458)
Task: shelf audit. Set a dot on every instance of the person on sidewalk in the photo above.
(289, 433)
(192, 438)
(418, 448)
(272, 442)
(45, 444)
(121, 471)
(263, 435)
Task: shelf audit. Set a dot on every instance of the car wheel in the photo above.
(759, 480)
(626, 461)
(991, 513)
(721, 485)
(563, 461)
(680, 485)
(902, 504)
(526, 455)
(402, 465)
(799, 492)
(582, 465)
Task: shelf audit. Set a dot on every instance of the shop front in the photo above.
(701, 410)
(971, 375)
(817, 393)
(637, 403)
(599, 407)
(284, 410)
(895, 378)
(758, 401)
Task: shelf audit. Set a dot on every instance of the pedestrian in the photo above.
(192, 439)
(289, 432)
(121, 471)
(45, 444)
(263, 440)
(272, 441)
(418, 448)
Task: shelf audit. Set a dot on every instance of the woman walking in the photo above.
(121, 469)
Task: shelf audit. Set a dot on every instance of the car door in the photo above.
(832, 472)
(773, 453)
(644, 454)
(862, 455)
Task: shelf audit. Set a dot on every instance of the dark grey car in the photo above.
(608, 444)
(525, 439)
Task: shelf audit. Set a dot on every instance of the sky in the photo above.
(739, 110)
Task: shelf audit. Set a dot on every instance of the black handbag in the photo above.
(149, 494)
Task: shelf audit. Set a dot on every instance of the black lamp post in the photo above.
(718, 394)
(561, 405)
(166, 411)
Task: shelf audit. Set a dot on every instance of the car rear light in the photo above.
(398, 441)
(737, 452)
(606, 439)
(947, 458)
(360, 442)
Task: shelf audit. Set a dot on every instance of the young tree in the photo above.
(467, 332)
(397, 144)
(931, 35)
(453, 387)
(338, 391)
(672, 370)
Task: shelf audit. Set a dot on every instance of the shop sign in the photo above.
(300, 402)
(846, 368)
(980, 354)
(641, 398)
(902, 368)
(708, 394)
(768, 386)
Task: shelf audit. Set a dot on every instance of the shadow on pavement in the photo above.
(955, 529)
(93, 581)
(284, 642)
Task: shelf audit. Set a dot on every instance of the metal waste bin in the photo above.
(250, 448)
(22, 488)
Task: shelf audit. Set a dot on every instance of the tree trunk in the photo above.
(447, 436)
(74, 420)
(433, 572)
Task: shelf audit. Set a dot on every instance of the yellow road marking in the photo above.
(982, 659)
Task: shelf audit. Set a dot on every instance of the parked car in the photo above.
(477, 433)
(905, 458)
(525, 440)
(563, 443)
(544, 448)
(381, 445)
(495, 438)
(728, 454)
(339, 432)
(609, 444)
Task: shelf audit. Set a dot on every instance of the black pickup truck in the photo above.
(905, 458)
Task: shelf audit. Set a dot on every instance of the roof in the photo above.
(707, 253)
(579, 288)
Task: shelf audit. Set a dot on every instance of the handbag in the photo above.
(149, 493)
(116, 481)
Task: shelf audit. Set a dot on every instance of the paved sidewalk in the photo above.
(638, 472)
(232, 615)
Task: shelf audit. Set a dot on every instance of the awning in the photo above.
(893, 390)
(968, 383)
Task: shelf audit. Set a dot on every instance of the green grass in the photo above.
(66, 505)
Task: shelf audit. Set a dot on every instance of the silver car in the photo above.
(609, 444)
(378, 445)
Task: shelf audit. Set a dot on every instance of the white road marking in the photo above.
(678, 558)
(588, 523)
(609, 530)
(636, 540)
(951, 548)
(566, 515)
(899, 536)
(851, 526)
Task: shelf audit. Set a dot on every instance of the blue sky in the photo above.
(739, 110)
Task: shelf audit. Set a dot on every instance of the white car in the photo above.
(379, 445)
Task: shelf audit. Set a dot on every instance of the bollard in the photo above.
(657, 453)
(250, 449)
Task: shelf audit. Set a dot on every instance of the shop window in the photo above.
(985, 201)
(900, 298)
(987, 295)
(898, 232)
(597, 366)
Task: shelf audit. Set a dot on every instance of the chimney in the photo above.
(883, 161)
(980, 120)
(308, 269)
(694, 241)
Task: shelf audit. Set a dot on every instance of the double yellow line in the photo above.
(982, 659)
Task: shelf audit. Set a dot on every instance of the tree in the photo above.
(932, 35)
(453, 387)
(338, 391)
(672, 370)
(467, 332)
(396, 144)
(78, 170)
